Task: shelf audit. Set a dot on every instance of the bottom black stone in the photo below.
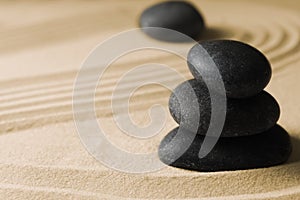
(266, 149)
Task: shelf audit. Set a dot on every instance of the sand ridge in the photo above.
(42, 157)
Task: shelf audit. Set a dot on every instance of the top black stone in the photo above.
(245, 70)
(175, 15)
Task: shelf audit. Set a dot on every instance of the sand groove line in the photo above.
(53, 93)
(160, 96)
(46, 119)
(106, 85)
(99, 99)
(42, 82)
(261, 39)
(38, 34)
(16, 190)
(22, 90)
(61, 114)
(62, 97)
(289, 46)
(47, 192)
(264, 50)
(57, 110)
(276, 40)
(273, 50)
(61, 185)
(84, 86)
(282, 42)
(28, 119)
(289, 27)
(287, 60)
(49, 99)
(283, 23)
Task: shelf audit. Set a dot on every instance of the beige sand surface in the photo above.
(40, 54)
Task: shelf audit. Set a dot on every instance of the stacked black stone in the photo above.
(250, 137)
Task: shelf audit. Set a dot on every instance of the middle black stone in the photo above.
(243, 116)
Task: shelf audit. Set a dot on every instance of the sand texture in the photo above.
(42, 46)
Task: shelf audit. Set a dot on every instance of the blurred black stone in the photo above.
(179, 16)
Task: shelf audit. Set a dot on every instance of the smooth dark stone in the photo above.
(267, 149)
(245, 70)
(243, 116)
(180, 16)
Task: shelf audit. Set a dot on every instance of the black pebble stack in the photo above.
(250, 137)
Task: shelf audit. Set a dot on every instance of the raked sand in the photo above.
(41, 154)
